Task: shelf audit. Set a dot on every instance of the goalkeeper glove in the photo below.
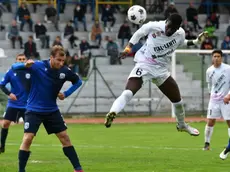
(201, 37)
(125, 52)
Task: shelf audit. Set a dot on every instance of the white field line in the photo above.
(112, 147)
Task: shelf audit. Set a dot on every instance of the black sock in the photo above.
(72, 155)
(23, 157)
(4, 133)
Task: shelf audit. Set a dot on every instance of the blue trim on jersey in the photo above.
(73, 88)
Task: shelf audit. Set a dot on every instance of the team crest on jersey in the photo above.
(26, 125)
(28, 76)
(159, 33)
(62, 76)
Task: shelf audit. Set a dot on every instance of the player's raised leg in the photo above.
(171, 90)
(132, 86)
(4, 133)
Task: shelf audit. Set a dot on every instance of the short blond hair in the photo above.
(57, 50)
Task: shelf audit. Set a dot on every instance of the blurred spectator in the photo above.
(34, 5)
(30, 49)
(84, 46)
(207, 6)
(158, 6)
(57, 41)
(62, 5)
(2, 27)
(14, 34)
(69, 34)
(75, 61)
(24, 16)
(188, 30)
(206, 45)
(211, 29)
(40, 31)
(96, 33)
(8, 5)
(228, 30)
(171, 9)
(68, 60)
(92, 8)
(113, 51)
(124, 33)
(108, 16)
(192, 16)
(85, 55)
(226, 46)
(79, 16)
(84, 65)
(51, 14)
(214, 18)
(84, 4)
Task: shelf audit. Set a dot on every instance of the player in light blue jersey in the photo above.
(48, 77)
(19, 81)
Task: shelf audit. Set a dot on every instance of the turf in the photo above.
(123, 148)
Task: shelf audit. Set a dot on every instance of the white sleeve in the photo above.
(183, 40)
(143, 31)
(208, 80)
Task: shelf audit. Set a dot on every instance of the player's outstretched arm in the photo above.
(201, 37)
(25, 65)
(140, 33)
(71, 89)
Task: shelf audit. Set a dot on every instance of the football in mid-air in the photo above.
(137, 14)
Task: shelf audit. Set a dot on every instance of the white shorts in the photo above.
(218, 110)
(156, 73)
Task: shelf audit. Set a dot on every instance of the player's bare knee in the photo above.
(211, 122)
(134, 84)
(64, 139)
(228, 123)
(6, 124)
(27, 139)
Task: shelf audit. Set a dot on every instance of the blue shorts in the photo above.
(13, 114)
(52, 121)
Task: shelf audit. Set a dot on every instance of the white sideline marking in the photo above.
(36, 161)
(111, 147)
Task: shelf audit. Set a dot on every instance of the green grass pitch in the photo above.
(122, 148)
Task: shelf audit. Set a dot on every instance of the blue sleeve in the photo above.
(3, 83)
(18, 65)
(73, 88)
(76, 81)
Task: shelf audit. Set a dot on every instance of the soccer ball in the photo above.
(137, 14)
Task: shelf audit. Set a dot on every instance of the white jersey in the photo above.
(158, 47)
(218, 80)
